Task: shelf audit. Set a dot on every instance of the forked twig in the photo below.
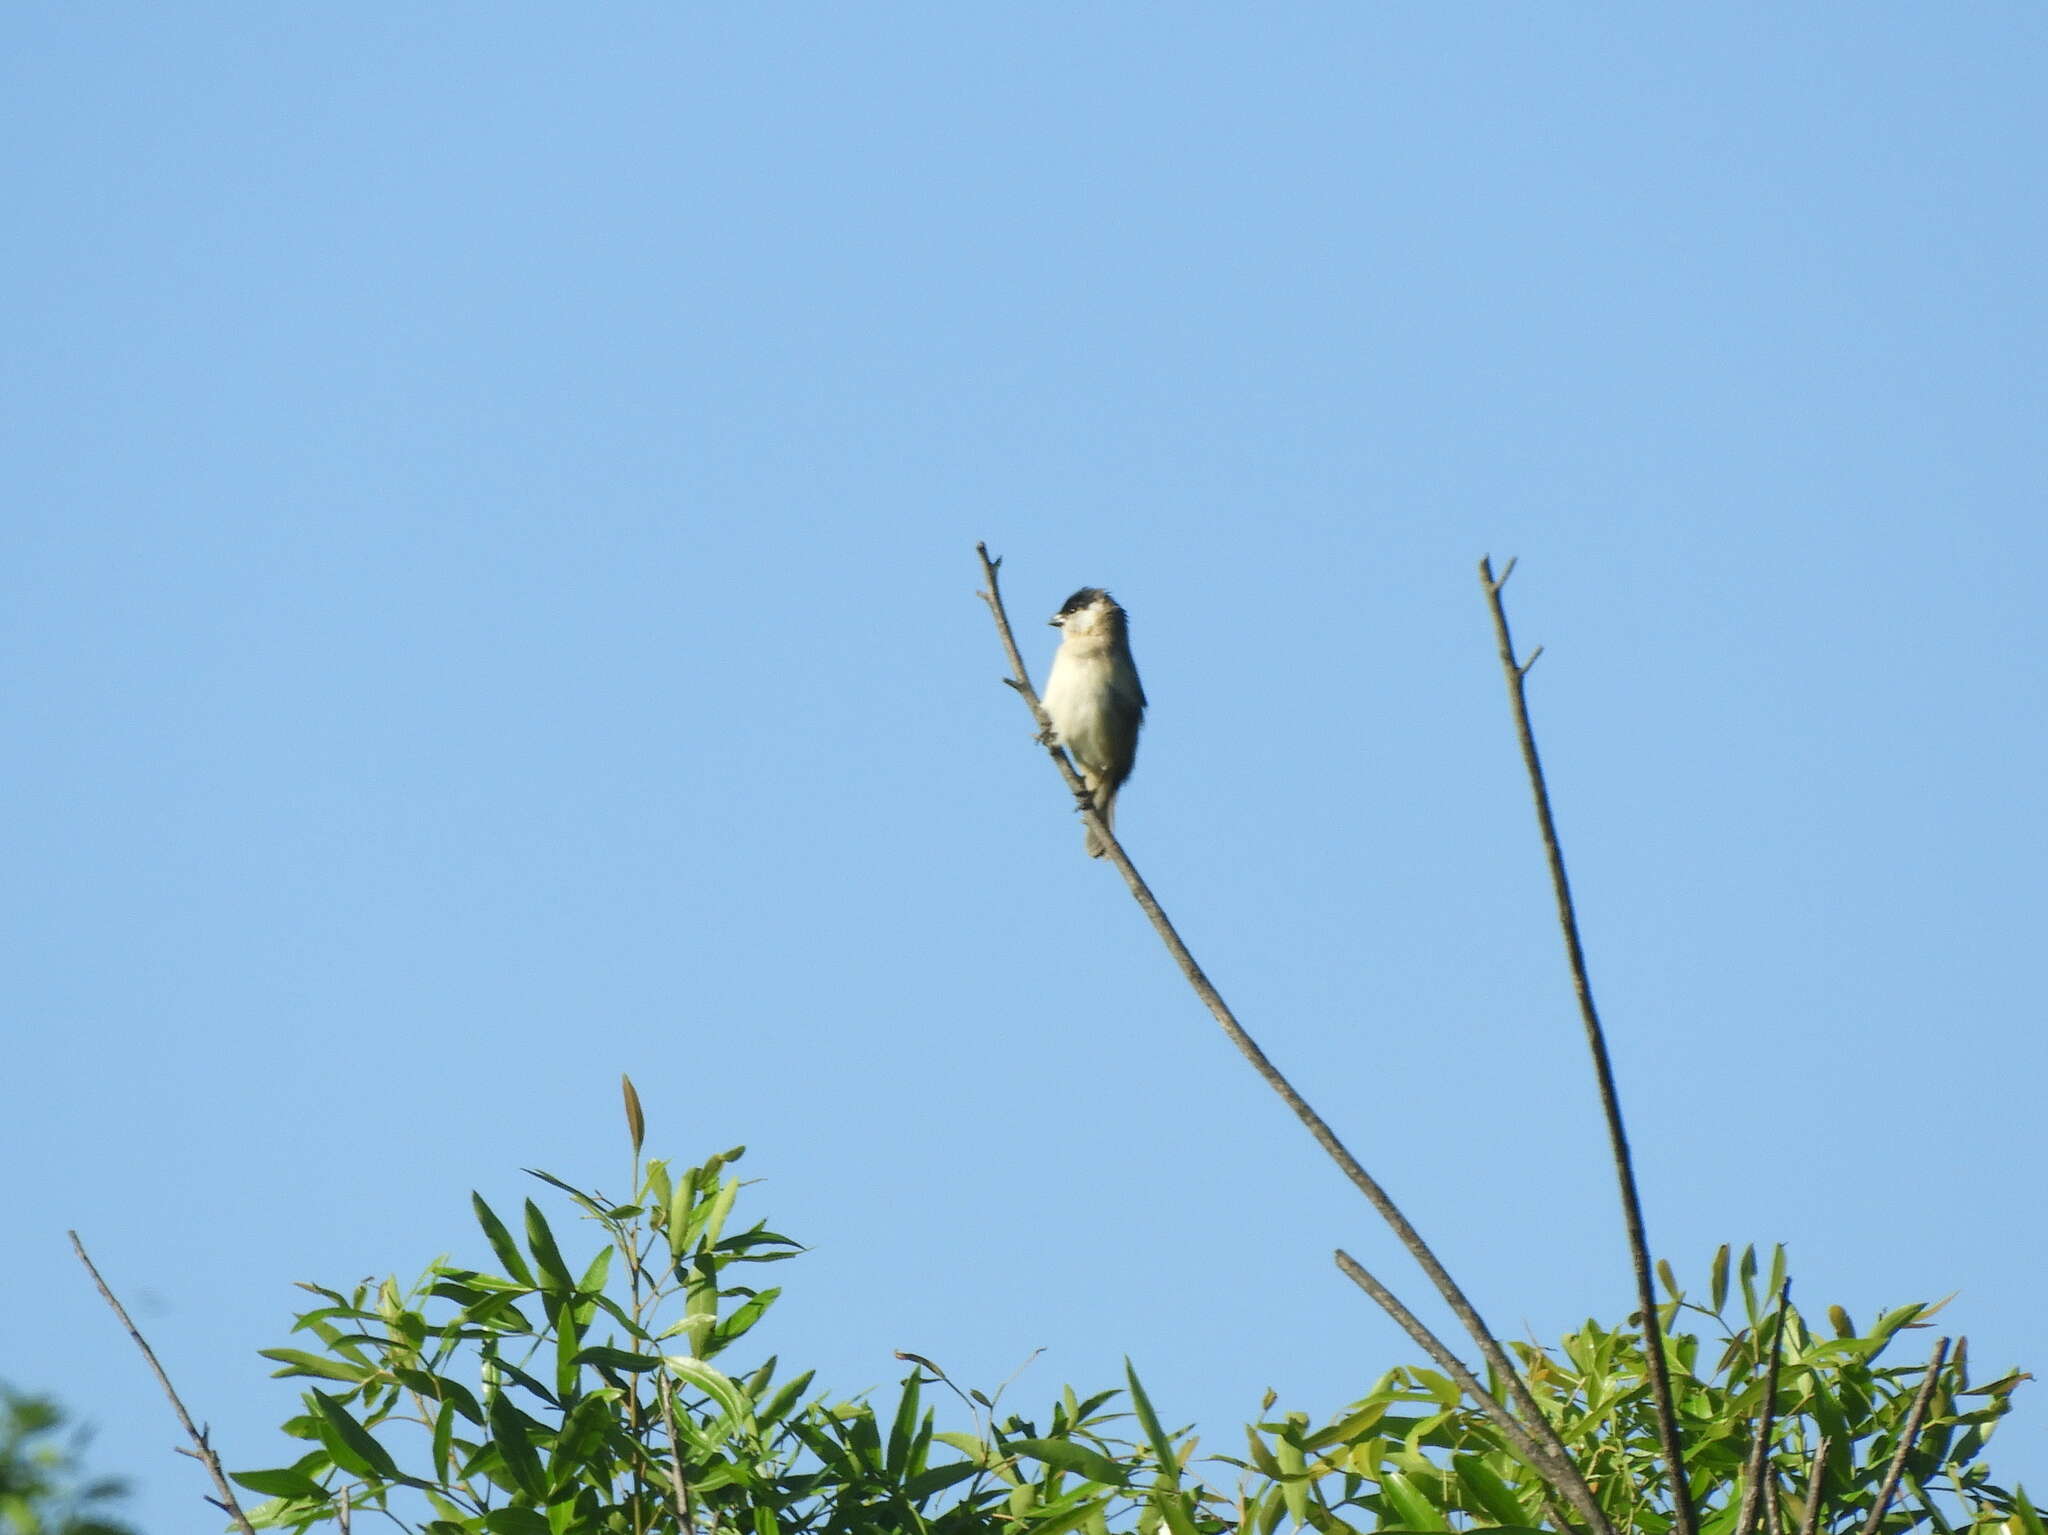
(1759, 1454)
(1557, 1466)
(202, 1450)
(1907, 1435)
(1685, 1520)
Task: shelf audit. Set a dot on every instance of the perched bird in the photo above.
(1094, 698)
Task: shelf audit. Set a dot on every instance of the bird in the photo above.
(1094, 699)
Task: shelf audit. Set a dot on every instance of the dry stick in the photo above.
(1890, 1489)
(204, 1453)
(1536, 1454)
(1685, 1520)
(1811, 1522)
(1557, 1466)
(1760, 1452)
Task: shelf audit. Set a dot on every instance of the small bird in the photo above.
(1094, 698)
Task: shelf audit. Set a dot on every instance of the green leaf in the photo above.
(1065, 1455)
(779, 1405)
(902, 1429)
(444, 1434)
(927, 1483)
(583, 1199)
(1486, 1489)
(554, 1273)
(1416, 1511)
(2024, 1514)
(501, 1240)
(714, 1383)
(515, 1448)
(298, 1362)
(516, 1521)
(1072, 1519)
(1173, 1508)
(568, 1343)
(282, 1483)
(1155, 1435)
(678, 1223)
(351, 1445)
(618, 1359)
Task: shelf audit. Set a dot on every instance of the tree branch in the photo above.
(1565, 1476)
(203, 1449)
(1686, 1521)
(1911, 1432)
(1539, 1456)
(1759, 1454)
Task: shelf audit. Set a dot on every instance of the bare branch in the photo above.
(1811, 1523)
(1759, 1454)
(202, 1450)
(1686, 1521)
(1559, 1473)
(1496, 1357)
(1907, 1435)
(678, 1490)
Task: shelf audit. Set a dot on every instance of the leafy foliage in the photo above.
(551, 1398)
(43, 1490)
(1413, 1455)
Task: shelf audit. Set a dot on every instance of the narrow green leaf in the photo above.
(636, 1122)
(1071, 1519)
(516, 1521)
(501, 1240)
(714, 1383)
(514, 1444)
(286, 1483)
(680, 1200)
(444, 1434)
(927, 1484)
(779, 1405)
(1065, 1455)
(902, 1429)
(1155, 1435)
(618, 1359)
(299, 1362)
(568, 1343)
(1486, 1488)
(1416, 1511)
(554, 1273)
(590, 1205)
(1173, 1508)
(351, 1445)
(2024, 1514)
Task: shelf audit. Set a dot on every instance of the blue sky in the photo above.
(490, 601)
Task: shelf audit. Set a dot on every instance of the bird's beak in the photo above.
(1054, 623)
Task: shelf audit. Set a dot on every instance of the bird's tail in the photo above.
(1105, 801)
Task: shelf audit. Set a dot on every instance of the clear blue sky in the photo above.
(490, 604)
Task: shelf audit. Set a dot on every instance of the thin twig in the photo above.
(1759, 1453)
(1685, 1520)
(1811, 1522)
(677, 1488)
(1574, 1485)
(1537, 1455)
(203, 1448)
(1914, 1418)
